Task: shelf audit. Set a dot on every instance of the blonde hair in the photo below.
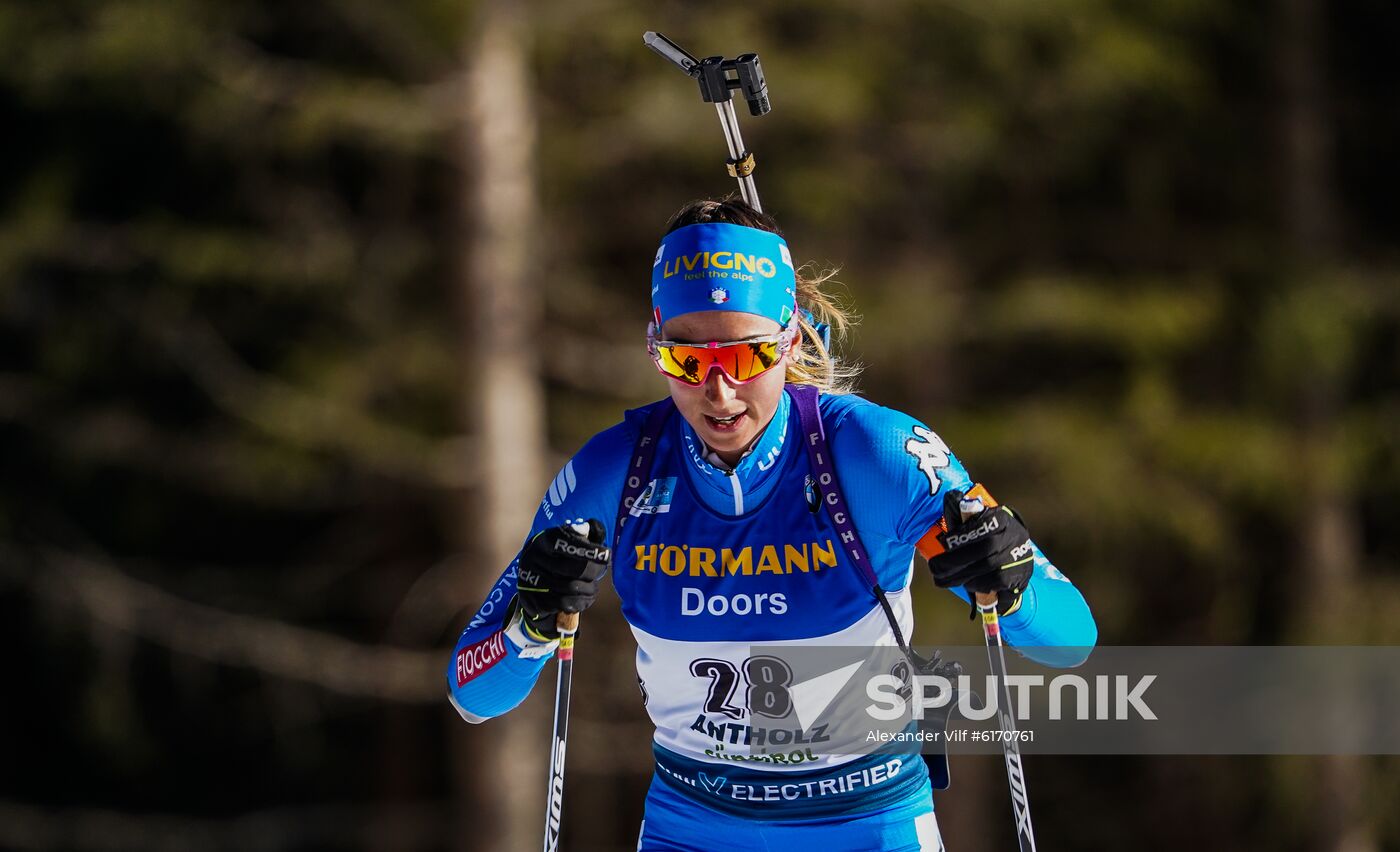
(811, 362)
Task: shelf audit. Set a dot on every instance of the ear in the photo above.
(799, 341)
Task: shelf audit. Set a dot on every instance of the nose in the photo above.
(718, 389)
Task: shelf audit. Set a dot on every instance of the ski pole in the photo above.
(1015, 774)
(567, 624)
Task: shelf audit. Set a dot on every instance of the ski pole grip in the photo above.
(569, 621)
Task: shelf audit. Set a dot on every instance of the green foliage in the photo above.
(229, 323)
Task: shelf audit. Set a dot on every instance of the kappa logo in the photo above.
(656, 498)
(931, 453)
(660, 253)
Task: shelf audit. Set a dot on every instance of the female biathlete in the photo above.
(728, 530)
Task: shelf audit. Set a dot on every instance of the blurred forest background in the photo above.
(303, 304)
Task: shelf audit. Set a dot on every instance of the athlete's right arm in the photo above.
(496, 662)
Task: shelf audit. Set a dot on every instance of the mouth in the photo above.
(727, 424)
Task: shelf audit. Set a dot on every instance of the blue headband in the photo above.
(720, 267)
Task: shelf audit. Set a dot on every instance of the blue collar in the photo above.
(729, 493)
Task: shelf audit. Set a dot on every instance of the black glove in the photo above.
(988, 552)
(559, 572)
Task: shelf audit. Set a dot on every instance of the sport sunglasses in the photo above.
(741, 360)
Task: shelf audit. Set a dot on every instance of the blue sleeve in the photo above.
(494, 664)
(895, 472)
(1053, 625)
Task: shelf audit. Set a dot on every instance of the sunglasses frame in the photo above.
(785, 338)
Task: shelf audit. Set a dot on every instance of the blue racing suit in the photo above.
(712, 562)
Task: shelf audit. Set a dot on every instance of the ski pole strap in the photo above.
(829, 492)
(638, 471)
(830, 495)
(828, 487)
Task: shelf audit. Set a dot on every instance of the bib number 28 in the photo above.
(766, 681)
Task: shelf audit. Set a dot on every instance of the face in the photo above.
(703, 405)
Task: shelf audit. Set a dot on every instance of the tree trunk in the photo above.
(1329, 539)
(498, 769)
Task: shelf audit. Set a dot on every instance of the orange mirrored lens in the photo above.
(740, 361)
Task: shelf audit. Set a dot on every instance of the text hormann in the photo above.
(675, 560)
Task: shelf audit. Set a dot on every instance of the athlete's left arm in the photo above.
(904, 468)
(1053, 624)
